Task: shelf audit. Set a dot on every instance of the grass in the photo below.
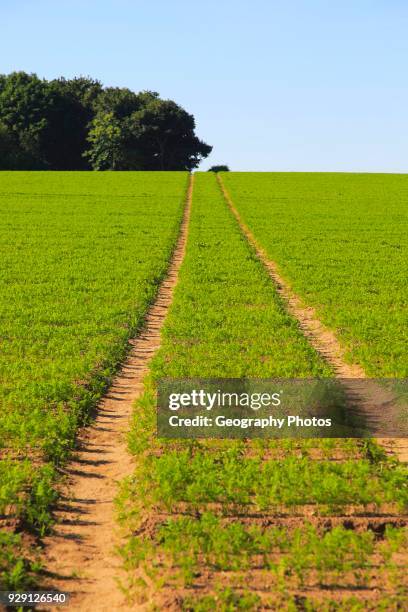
(81, 260)
(195, 509)
(341, 240)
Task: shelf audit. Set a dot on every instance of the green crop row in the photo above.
(227, 478)
(185, 505)
(227, 319)
(232, 600)
(341, 240)
(81, 258)
(16, 571)
(188, 544)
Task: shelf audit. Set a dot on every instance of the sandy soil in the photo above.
(80, 555)
(371, 398)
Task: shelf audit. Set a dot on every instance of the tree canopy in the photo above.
(220, 168)
(77, 124)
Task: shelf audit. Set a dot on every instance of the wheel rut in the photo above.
(371, 398)
(79, 554)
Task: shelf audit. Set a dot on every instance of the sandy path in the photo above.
(79, 554)
(373, 399)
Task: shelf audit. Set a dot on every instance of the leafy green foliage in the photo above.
(226, 600)
(26, 492)
(16, 572)
(233, 546)
(219, 169)
(81, 259)
(231, 600)
(229, 478)
(227, 319)
(341, 240)
(189, 504)
(163, 134)
(142, 132)
(76, 124)
(105, 138)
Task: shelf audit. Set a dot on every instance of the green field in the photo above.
(81, 258)
(341, 240)
(269, 515)
(216, 524)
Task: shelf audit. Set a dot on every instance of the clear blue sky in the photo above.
(274, 85)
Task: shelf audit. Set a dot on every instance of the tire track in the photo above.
(79, 555)
(372, 399)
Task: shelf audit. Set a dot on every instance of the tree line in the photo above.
(77, 124)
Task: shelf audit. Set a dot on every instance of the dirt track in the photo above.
(80, 553)
(371, 396)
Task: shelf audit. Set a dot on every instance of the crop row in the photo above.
(81, 260)
(197, 511)
(341, 241)
(298, 556)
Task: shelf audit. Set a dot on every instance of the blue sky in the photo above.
(301, 85)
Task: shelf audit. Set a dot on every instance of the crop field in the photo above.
(81, 259)
(316, 525)
(207, 524)
(341, 240)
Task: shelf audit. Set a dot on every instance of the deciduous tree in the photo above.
(76, 124)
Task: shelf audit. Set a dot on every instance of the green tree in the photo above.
(68, 122)
(11, 155)
(25, 103)
(220, 168)
(121, 101)
(164, 133)
(76, 124)
(106, 139)
(158, 135)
